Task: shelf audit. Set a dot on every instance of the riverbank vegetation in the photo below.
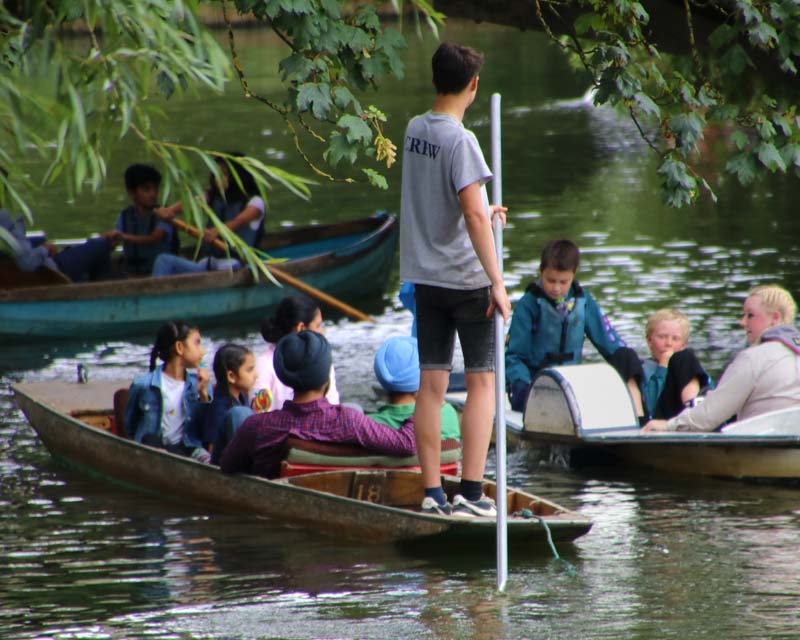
(684, 71)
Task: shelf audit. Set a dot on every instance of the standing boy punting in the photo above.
(447, 251)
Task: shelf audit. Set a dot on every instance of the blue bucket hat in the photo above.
(303, 360)
(397, 365)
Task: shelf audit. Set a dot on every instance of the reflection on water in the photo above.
(667, 557)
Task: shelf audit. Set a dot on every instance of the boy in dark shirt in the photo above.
(141, 227)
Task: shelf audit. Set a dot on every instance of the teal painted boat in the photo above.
(349, 260)
(75, 423)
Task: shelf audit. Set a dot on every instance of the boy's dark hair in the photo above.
(167, 335)
(291, 311)
(229, 357)
(138, 175)
(454, 66)
(561, 255)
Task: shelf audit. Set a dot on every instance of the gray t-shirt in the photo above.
(440, 158)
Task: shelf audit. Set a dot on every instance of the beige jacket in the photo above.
(762, 378)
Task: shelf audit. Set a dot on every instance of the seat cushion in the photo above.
(347, 455)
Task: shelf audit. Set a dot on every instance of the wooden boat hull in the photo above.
(331, 502)
(348, 260)
(715, 458)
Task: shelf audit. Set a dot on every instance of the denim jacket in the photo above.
(145, 406)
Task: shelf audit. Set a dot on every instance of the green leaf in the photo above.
(639, 12)
(372, 67)
(723, 112)
(769, 156)
(743, 166)
(295, 67)
(365, 16)
(740, 139)
(736, 59)
(314, 96)
(765, 129)
(705, 98)
(788, 66)
(589, 22)
(676, 175)
(791, 155)
(389, 40)
(688, 129)
(356, 129)
(722, 36)
(750, 14)
(376, 179)
(357, 40)
(763, 34)
(339, 149)
(646, 104)
(331, 7)
(343, 98)
(783, 124)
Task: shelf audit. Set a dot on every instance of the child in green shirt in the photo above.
(397, 369)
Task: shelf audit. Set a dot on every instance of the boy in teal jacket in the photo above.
(551, 321)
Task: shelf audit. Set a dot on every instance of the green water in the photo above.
(668, 557)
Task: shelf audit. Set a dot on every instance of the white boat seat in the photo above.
(579, 400)
(775, 423)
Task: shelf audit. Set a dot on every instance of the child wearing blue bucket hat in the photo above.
(397, 369)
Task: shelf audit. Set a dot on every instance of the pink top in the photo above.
(275, 393)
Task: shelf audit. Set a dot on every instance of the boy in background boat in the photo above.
(552, 320)
(396, 366)
(303, 362)
(447, 250)
(140, 227)
(90, 260)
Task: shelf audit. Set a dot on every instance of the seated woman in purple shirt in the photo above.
(303, 362)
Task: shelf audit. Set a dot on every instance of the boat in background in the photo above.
(585, 412)
(367, 505)
(350, 260)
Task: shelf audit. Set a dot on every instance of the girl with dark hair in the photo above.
(235, 373)
(234, 198)
(293, 314)
(165, 406)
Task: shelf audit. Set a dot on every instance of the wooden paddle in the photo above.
(285, 278)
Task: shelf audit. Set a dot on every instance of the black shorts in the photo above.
(443, 312)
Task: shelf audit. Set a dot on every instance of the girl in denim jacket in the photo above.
(165, 406)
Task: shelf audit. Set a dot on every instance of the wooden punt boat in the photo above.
(585, 414)
(349, 260)
(365, 505)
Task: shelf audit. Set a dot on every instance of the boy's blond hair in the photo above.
(668, 315)
(775, 298)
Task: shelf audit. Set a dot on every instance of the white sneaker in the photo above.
(463, 508)
(429, 505)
